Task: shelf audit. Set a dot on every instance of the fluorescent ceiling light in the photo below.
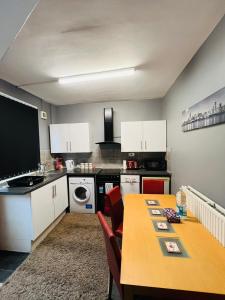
(94, 76)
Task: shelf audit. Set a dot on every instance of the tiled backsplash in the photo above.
(105, 156)
(47, 159)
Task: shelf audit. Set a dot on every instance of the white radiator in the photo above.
(210, 214)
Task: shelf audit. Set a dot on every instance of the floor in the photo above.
(69, 264)
(9, 262)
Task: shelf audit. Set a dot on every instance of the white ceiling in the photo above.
(69, 37)
(13, 19)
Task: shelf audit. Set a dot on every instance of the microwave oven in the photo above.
(155, 164)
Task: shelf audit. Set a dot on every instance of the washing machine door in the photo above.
(81, 194)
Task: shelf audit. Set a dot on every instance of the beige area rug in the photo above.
(69, 264)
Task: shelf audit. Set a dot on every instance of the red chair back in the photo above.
(155, 186)
(112, 251)
(116, 207)
(107, 206)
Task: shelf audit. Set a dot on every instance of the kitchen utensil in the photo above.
(58, 163)
(69, 164)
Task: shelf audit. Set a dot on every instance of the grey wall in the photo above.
(13, 91)
(93, 114)
(197, 158)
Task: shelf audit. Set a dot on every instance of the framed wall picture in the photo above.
(208, 112)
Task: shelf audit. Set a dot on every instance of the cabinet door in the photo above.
(42, 209)
(60, 196)
(129, 184)
(130, 188)
(131, 137)
(154, 136)
(80, 138)
(59, 138)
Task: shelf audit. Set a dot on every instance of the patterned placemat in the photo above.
(162, 242)
(151, 212)
(169, 226)
(152, 202)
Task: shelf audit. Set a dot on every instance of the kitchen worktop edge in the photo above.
(54, 175)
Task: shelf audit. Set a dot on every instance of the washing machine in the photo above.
(82, 194)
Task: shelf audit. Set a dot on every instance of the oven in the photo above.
(106, 180)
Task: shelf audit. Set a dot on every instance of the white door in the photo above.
(42, 209)
(131, 137)
(60, 198)
(59, 138)
(154, 136)
(80, 138)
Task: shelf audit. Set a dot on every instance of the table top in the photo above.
(143, 263)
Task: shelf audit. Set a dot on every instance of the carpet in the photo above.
(69, 264)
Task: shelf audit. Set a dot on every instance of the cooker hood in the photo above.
(108, 128)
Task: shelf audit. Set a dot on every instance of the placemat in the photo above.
(152, 209)
(149, 204)
(169, 226)
(183, 254)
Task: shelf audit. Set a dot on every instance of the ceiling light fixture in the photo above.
(98, 75)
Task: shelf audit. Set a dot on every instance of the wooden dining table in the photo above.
(148, 271)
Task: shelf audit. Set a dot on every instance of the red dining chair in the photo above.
(113, 255)
(155, 186)
(114, 199)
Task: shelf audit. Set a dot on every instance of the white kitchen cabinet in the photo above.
(154, 136)
(60, 198)
(70, 138)
(59, 138)
(131, 136)
(42, 209)
(47, 203)
(80, 138)
(143, 136)
(129, 184)
(24, 218)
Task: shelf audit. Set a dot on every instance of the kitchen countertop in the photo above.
(144, 172)
(54, 175)
(84, 172)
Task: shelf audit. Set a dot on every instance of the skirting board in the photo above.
(46, 232)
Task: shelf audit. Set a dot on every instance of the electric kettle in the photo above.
(69, 164)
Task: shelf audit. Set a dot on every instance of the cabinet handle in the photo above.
(145, 145)
(55, 191)
(66, 146)
(141, 145)
(70, 147)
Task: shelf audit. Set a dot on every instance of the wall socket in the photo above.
(44, 115)
(131, 154)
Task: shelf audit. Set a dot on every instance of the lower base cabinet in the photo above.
(60, 199)
(23, 218)
(47, 203)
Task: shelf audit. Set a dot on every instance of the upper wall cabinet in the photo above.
(70, 138)
(143, 136)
